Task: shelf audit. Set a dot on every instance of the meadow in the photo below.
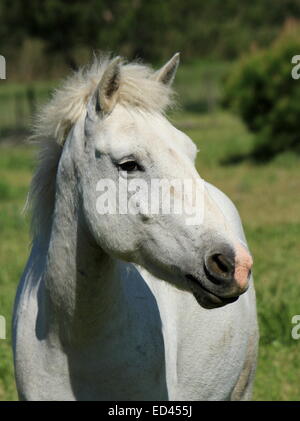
(266, 195)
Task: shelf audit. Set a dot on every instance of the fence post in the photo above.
(31, 99)
(19, 114)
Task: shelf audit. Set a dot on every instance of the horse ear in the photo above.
(167, 73)
(108, 87)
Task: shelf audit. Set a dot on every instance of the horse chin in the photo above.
(210, 301)
(207, 299)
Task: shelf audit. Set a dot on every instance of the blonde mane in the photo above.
(60, 114)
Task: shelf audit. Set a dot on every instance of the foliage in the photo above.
(262, 91)
(148, 29)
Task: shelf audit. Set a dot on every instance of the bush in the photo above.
(261, 90)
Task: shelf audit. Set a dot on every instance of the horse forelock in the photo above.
(54, 120)
(68, 102)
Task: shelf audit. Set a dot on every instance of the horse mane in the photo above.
(68, 103)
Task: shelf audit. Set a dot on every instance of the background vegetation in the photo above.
(263, 92)
(148, 29)
(218, 40)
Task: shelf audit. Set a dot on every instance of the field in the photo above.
(267, 197)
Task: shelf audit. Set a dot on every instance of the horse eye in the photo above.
(129, 166)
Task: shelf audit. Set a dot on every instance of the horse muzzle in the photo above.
(224, 277)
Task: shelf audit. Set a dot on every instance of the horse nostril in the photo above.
(219, 267)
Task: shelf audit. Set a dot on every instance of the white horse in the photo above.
(136, 306)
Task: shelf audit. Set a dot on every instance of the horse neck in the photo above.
(84, 294)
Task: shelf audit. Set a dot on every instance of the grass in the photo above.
(266, 196)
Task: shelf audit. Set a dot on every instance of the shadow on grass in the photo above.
(252, 156)
(257, 156)
(201, 107)
(14, 135)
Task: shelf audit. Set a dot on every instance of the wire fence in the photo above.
(199, 89)
(18, 105)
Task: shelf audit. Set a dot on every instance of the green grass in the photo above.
(267, 198)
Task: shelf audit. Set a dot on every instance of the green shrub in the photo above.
(261, 90)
